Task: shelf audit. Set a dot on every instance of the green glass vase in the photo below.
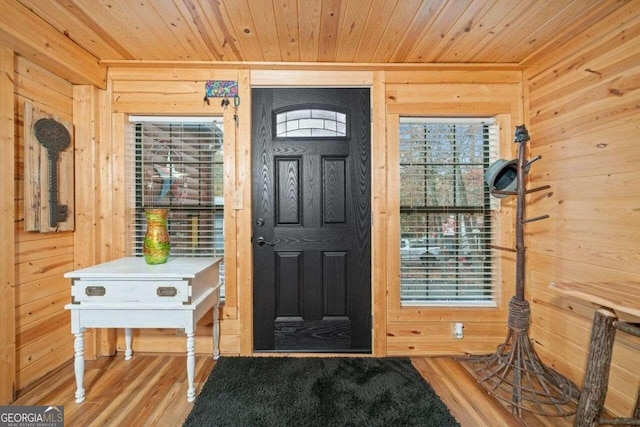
(156, 244)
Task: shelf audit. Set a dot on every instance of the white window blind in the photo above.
(176, 163)
(446, 215)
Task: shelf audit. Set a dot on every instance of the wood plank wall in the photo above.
(176, 92)
(580, 104)
(475, 93)
(99, 211)
(164, 91)
(31, 37)
(7, 226)
(100, 119)
(414, 332)
(43, 340)
(583, 104)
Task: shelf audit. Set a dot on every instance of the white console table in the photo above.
(128, 293)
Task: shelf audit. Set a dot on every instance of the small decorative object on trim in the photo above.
(48, 172)
(224, 89)
(220, 89)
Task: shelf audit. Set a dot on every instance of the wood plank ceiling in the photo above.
(349, 31)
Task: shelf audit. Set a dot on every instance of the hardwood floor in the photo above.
(469, 402)
(150, 390)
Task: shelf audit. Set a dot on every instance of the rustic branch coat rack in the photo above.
(514, 373)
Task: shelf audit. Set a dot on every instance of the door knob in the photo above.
(261, 242)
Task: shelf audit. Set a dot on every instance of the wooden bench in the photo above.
(619, 309)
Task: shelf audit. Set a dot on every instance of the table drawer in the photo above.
(124, 291)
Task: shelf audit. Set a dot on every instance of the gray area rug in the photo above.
(280, 391)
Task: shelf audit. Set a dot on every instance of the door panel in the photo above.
(288, 206)
(311, 212)
(334, 203)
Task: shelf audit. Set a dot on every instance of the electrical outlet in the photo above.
(458, 330)
(238, 197)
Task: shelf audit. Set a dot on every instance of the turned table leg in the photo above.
(596, 376)
(127, 344)
(78, 364)
(216, 331)
(191, 365)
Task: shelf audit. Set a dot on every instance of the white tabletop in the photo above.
(136, 267)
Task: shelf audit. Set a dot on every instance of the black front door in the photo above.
(311, 220)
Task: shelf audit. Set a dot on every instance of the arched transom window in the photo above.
(311, 123)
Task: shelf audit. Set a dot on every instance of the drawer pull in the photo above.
(167, 291)
(95, 291)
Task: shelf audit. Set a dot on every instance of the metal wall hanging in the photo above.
(220, 89)
(48, 172)
(55, 138)
(224, 89)
(515, 374)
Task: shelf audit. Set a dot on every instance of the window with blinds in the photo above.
(446, 215)
(177, 164)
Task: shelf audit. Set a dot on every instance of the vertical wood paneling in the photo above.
(40, 259)
(230, 222)
(109, 188)
(393, 216)
(99, 190)
(143, 92)
(116, 133)
(244, 226)
(379, 190)
(488, 96)
(85, 106)
(87, 188)
(7, 228)
(112, 199)
(583, 99)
